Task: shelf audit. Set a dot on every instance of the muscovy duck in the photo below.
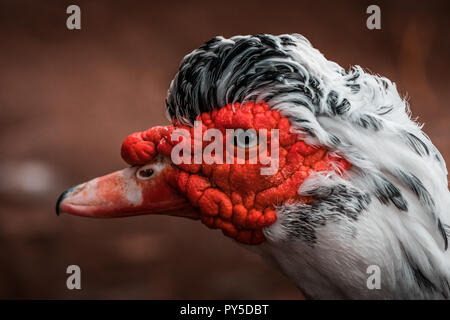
(357, 183)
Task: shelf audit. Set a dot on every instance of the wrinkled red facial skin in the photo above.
(236, 198)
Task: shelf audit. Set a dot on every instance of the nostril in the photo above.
(145, 173)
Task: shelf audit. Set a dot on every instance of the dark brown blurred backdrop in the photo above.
(69, 98)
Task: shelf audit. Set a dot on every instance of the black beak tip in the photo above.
(60, 199)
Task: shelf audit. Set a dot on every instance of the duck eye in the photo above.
(245, 139)
(144, 173)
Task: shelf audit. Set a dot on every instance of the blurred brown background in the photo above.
(69, 98)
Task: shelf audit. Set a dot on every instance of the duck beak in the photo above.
(124, 193)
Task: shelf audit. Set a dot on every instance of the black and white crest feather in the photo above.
(396, 201)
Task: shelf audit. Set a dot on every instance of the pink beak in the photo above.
(126, 193)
